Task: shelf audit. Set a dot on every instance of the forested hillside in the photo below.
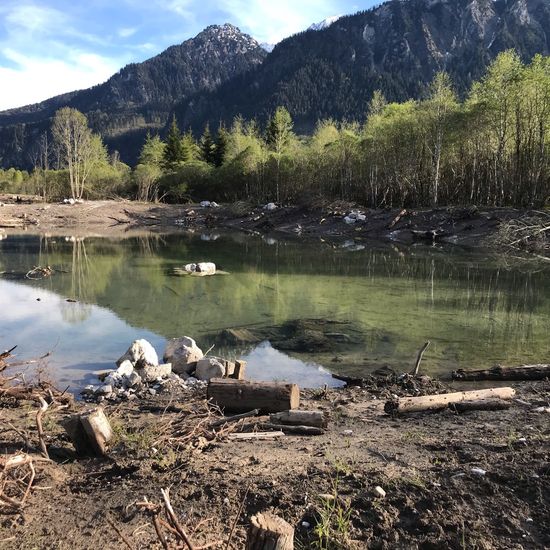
(397, 48)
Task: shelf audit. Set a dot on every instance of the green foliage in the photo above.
(489, 149)
(152, 153)
(174, 153)
(208, 147)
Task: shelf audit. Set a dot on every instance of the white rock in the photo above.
(206, 268)
(106, 389)
(183, 353)
(349, 221)
(347, 432)
(114, 379)
(154, 373)
(141, 353)
(214, 205)
(125, 369)
(210, 367)
(378, 491)
(206, 204)
(132, 380)
(89, 390)
(270, 206)
(478, 472)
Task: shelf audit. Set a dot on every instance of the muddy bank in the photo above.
(476, 480)
(339, 222)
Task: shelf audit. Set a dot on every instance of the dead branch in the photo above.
(419, 358)
(120, 534)
(43, 408)
(17, 475)
(174, 520)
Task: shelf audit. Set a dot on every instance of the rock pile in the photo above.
(140, 374)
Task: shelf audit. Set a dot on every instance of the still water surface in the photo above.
(477, 308)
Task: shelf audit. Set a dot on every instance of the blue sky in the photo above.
(48, 47)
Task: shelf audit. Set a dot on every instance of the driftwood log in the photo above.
(442, 401)
(243, 395)
(498, 372)
(300, 418)
(269, 532)
(485, 405)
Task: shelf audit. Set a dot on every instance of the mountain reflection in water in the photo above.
(475, 307)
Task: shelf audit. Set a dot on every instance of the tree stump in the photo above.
(269, 532)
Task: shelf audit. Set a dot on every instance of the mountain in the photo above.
(140, 97)
(396, 47)
(332, 72)
(325, 23)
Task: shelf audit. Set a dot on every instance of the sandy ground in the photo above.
(424, 462)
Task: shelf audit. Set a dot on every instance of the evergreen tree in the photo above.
(174, 151)
(220, 147)
(190, 149)
(207, 147)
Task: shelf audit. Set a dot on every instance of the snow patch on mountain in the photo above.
(325, 23)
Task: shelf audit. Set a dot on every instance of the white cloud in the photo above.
(127, 32)
(272, 21)
(35, 79)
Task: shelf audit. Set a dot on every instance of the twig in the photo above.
(39, 414)
(120, 533)
(173, 518)
(210, 349)
(239, 512)
(419, 358)
(231, 419)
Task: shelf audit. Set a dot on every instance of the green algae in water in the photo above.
(476, 309)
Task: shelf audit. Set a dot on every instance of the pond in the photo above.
(477, 308)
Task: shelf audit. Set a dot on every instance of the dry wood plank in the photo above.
(300, 418)
(240, 370)
(442, 401)
(269, 532)
(498, 372)
(242, 395)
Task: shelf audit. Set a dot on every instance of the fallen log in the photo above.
(300, 418)
(242, 395)
(484, 405)
(269, 532)
(294, 430)
(498, 372)
(442, 401)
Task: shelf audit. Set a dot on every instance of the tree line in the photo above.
(488, 148)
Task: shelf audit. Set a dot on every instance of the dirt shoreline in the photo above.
(468, 226)
(425, 462)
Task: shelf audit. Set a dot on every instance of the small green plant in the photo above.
(334, 521)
